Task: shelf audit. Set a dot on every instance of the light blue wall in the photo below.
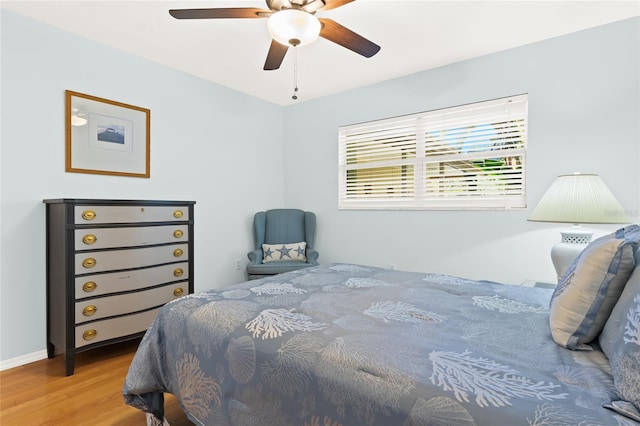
(584, 109)
(584, 115)
(201, 134)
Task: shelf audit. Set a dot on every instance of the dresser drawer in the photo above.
(86, 263)
(109, 306)
(129, 214)
(99, 331)
(115, 282)
(99, 238)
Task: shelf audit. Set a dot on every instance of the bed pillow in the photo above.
(620, 341)
(278, 252)
(587, 292)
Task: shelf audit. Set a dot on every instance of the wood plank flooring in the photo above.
(40, 394)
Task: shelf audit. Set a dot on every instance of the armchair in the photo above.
(282, 227)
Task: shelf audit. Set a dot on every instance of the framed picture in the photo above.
(106, 137)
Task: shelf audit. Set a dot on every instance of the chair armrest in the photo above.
(255, 257)
(312, 256)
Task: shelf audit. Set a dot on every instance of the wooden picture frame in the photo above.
(106, 137)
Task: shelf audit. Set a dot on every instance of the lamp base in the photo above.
(573, 241)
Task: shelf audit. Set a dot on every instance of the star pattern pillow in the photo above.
(280, 252)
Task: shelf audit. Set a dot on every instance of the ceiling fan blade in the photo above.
(215, 13)
(275, 56)
(343, 36)
(332, 4)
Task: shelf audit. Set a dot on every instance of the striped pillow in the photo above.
(590, 288)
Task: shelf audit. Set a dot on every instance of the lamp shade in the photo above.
(579, 198)
(293, 27)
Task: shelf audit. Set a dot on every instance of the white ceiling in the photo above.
(415, 35)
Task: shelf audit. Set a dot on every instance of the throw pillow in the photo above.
(620, 341)
(586, 294)
(279, 252)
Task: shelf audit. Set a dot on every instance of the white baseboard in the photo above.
(22, 360)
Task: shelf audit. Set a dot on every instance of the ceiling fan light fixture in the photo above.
(293, 27)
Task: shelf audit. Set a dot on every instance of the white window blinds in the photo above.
(466, 157)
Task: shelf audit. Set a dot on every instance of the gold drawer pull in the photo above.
(178, 252)
(178, 214)
(178, 292)
(178, 233)
(89, 239)
(178, 272)
(88, 215)
(89, 334)
(89, 262)
(89, 310)
(89, 286)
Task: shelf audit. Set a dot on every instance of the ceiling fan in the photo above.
(291, 23)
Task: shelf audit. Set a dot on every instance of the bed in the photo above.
(343, 344)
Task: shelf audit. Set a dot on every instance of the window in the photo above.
(466, 157)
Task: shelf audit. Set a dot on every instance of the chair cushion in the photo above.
(285, 252)
(276, 267)
(587, 292)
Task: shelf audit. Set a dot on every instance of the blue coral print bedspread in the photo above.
(356, 345)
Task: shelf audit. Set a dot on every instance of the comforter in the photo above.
(344, 344)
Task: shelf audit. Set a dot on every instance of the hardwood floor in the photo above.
(40, 394)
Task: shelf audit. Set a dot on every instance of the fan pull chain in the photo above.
(295, 74)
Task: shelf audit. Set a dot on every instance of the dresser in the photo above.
(111, 266)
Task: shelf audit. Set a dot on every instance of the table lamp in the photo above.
(576, 198)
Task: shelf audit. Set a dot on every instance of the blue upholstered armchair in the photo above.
(284, 229)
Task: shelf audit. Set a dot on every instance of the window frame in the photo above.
(393, 152)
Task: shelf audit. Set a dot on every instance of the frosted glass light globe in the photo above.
(292, 27)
